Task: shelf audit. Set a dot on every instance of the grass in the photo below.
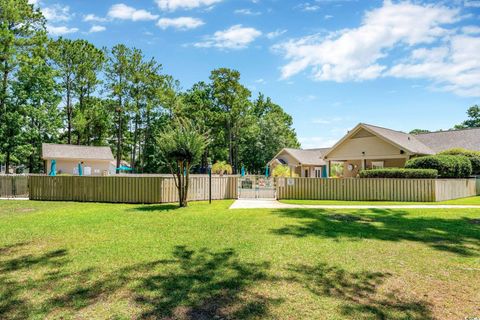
(98, 261)
(462, 201)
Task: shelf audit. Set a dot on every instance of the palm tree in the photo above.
(181, 146)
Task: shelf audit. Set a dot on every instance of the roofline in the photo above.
(365, 127)
(75, 145)
(448, 130)
(75, 158)
(300, 163)
(286, 150)
(373, 125)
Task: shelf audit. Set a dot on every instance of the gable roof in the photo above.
(401, 140)
(443, 140)
(68, 151)
(312, 157)
(405, 141)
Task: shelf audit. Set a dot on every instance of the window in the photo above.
(318, 172)
(377, 164)
(306, 173)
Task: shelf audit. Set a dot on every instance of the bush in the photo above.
(473, 156)
(400, 173)
(448, 166)
(281, 170)
(221, 168)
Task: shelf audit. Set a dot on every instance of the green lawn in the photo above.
(462, 201)
(98, 261)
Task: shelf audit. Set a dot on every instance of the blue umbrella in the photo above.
(243, 171)
(53, 168)
(80, 171)
(266, 171)
(124, 168)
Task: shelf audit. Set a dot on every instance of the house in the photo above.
(95, 161)
(302, 163)
(367, 146)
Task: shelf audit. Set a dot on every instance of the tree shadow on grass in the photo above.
(13, 288)
(358, 293)
(203, 285)
(193, 284)
(155, 207)
(459, 236)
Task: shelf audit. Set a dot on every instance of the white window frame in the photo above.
(318, 172)
(378, 164)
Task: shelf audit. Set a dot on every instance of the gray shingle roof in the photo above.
(67, 151)
(402, 139)
(309, 156)
(443, 140)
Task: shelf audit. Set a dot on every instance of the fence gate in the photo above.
(256, 187)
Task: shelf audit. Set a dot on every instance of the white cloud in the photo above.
(454, 66)
(181, 23)
(124, 12)
(308, 6)
(247, 12)
(354, 54)
(96, 28)
(433, 49)
(172, 5)
(471, 30)
(235, 37)
(57, 13)
(93, 18)
(59, 31)
(34, 2)
(327, 16)
(275, 34)
(472, 3)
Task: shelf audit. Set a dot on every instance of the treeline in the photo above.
(473, 121)
(69, 91)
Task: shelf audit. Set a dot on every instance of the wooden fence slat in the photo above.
(135, 189)
(403, 190)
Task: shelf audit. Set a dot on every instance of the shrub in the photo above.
(221, 168)
(400, 173)
(281, 170)
(473, 156)
(336, 169)
(448, 166)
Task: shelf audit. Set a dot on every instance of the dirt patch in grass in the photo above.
(445, 299)
(13, 211)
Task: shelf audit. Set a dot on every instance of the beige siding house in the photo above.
(367, 146)
(303, 163)
(95, 161)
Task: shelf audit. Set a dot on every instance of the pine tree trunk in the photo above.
(135, 140)
(119, 135)
(69, 113)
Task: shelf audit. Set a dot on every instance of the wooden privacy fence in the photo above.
(12, 186)
(128, 189)
(418, 190)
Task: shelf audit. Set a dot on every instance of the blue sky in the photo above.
(329, 63)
